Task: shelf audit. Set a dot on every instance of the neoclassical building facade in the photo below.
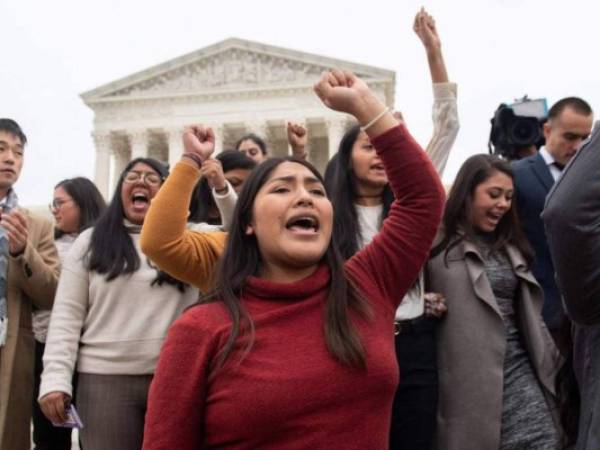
(234, 86)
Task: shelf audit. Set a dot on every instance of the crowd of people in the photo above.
(243, 301)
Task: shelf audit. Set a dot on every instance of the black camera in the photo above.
(517, 128)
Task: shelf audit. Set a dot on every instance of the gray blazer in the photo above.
(572, 219)
(472, 344)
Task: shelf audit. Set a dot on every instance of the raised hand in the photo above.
(213, 171)
(199, 141)
(343, 91)
(15, 225)
(424, 27)
(297, 138)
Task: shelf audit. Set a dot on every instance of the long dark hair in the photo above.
(254, 138)
(202, 202)
(341, 182)
(111, 250)
(456, 222)
(88, 199)
(242, 259)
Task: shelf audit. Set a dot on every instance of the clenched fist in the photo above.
(199, 140)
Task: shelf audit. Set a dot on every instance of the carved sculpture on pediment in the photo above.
(232, 68)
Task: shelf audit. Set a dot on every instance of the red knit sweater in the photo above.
(289, 392)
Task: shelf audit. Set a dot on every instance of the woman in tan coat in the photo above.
(497, 362)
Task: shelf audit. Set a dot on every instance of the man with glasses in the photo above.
(28, 277)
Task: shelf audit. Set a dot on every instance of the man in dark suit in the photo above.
(572, 218)
(569, 124)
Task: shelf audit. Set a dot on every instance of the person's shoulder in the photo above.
(38, 226)
(35, 219)
(79, 248)
(523, 163)
(205, 318)
(84, 237)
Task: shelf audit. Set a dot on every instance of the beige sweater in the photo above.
(114, 327)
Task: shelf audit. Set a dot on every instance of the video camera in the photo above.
(517, 127)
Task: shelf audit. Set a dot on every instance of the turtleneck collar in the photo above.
(132, 227)
(307, 287)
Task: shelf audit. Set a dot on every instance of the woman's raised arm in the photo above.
(189, 256)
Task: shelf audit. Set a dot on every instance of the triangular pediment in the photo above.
(233, 64)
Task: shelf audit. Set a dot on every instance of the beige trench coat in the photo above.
(32, 279)
(472, 344)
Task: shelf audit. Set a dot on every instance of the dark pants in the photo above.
(45, 435)
(112, 409)
(415, 403)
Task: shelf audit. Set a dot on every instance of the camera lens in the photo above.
(524, 131)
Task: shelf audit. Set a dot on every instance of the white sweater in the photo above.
(114, 327)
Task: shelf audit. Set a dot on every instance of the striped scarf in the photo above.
(10, 202)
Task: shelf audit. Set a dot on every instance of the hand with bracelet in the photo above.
(198, 144)
(343, 91)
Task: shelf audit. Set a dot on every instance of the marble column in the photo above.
(121, 161)
(259, 128)
(102, 166)
(336, 127)
(138, 141)
(175, 139)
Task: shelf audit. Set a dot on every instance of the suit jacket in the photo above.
(32, 279)
(472, 345)
(572, 218)
(533, 181)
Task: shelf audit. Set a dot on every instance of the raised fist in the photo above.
(213, 171)
(424, 27)
(344, 92)
(298, 138)
(199, 140)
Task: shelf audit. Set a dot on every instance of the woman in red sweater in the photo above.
(294, 349)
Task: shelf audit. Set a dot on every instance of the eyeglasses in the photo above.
(57, 204)
(150, 178)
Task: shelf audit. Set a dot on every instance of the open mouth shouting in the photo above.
(140, 200)
(305, 224)
(137, 192)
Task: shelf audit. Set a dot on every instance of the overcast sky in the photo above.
(496, 50)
